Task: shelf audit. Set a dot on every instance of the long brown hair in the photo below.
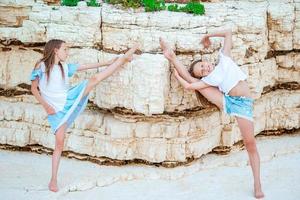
(49, 57)
(203, 101)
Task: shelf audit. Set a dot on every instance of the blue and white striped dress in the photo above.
(68, 102)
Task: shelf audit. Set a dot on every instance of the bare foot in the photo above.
(129, 54)
(163, 44)
(167, 50)
(258, 192)
(53, 186)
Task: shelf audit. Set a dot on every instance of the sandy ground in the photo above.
(25, 175)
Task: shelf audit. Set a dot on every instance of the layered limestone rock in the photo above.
(141, 112)
(120, 28)
(284, 26)
(155, 139)
(79, 26)
(128, 87)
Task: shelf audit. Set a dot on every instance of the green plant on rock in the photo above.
(93, 3)
(194, 7)
(126, 3)
(134, 3)
(154, 5)
(150, 5)
(174, 8)
(69, 2)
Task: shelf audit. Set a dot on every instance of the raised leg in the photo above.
(213, 95)
(97, 78)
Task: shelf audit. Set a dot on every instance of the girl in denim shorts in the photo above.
(225, 86)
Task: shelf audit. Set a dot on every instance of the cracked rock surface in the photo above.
(141, 112)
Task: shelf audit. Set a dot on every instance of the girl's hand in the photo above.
(206, 41)
(128, 56)
(50, 110)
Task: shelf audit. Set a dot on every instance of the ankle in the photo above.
(53, 180)
(257, 185)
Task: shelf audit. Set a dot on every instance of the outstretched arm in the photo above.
(95, 65)
(227, 34)
(171, 56)
(190, 86)
(183, 72)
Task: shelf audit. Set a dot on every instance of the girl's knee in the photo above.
(60, 138)
(250, 145)
(94, 80)
(59, 148)
(59, 144)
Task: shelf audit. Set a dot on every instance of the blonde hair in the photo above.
(202, 100)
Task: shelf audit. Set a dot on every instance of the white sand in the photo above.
(25, 175)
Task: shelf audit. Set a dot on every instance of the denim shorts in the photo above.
(238, 106)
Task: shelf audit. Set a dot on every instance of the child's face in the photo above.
(63, 52)
(202, 69)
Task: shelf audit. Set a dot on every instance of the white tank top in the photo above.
(226, 74)
(55, 90)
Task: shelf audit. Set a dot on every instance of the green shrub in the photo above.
(154, 5)
(69, 2)
(194, 7)
(93, 3)
(150, 5)
(126, 3)
(173, 8)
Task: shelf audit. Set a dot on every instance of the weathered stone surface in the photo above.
(289, 61)
(281, 17)
(130, 89)
(120, 28)
(296, 32)
(262, 75)
(15, 17)
(127, 88)
(141, 112)
(18, 3)
(289, 67)
(15, 63)
(155, 139)
(79, 26)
